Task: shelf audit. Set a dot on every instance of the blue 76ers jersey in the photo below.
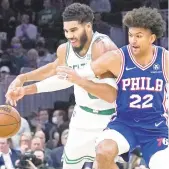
(141, 90)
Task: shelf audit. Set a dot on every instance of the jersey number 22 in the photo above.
(141, 102)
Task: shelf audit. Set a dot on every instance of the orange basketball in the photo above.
(10, 121)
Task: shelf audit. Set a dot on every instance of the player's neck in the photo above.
(86, 46)
(146, 57)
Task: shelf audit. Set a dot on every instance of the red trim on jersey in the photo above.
(137, 64)
(165, 100)
(163, 66)
(122, 66)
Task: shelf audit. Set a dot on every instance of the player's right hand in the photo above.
(10, 94)
(14, 94)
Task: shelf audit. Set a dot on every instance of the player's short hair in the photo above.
(78, 12)
(148, 18)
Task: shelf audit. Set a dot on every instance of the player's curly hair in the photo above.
(78, 12)
(148, 18)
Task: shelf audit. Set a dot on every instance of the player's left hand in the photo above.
(67, 73)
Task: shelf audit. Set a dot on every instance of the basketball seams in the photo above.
(9, 124)
(8, 111)
(10, 134)
(11, 116)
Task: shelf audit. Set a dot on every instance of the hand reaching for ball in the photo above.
(14, 90)
(13, 95)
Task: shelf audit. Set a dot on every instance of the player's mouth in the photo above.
(73, 42)
(135, 48)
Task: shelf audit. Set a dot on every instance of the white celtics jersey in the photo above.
(82, 97)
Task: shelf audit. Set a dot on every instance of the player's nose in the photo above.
(69, 35)
(133, 41)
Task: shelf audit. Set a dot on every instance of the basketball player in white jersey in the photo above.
(91, 114)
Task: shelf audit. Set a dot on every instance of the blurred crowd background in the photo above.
(30, 32)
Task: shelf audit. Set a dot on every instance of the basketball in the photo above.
(10, 121)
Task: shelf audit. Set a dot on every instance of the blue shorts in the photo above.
(150, 137)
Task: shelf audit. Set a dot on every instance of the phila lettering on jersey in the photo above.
(142, 90)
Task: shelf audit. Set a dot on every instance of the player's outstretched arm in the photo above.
(105, 89)
(48, 85)
(111, 61)
(44, 71)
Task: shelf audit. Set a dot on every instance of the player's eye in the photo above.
(139, 36)
(73, 30)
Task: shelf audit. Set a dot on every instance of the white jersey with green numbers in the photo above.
(82, 97)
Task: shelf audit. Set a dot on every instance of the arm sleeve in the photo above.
(52, 84)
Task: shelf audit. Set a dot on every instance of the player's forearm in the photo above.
(97, 67)
(48, 85)
(38, 74)
(30, 89)
(103, 64)
(100, 90)
(52, 84)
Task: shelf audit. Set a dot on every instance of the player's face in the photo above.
(76, 33)
(140, 40)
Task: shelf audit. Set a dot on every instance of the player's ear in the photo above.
(153, 38)
(89, 25)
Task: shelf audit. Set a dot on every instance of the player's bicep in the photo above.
(61, 55)
(108, 62)
(60, 58)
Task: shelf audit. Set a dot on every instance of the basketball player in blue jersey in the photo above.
(142, 71)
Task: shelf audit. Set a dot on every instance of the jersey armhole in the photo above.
(122, 67)
(163, 65)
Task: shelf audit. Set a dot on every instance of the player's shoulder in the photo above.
(61, 50)
(103, 43)
(62, 47)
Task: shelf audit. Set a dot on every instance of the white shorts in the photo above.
(84, 128)
(80, 147)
